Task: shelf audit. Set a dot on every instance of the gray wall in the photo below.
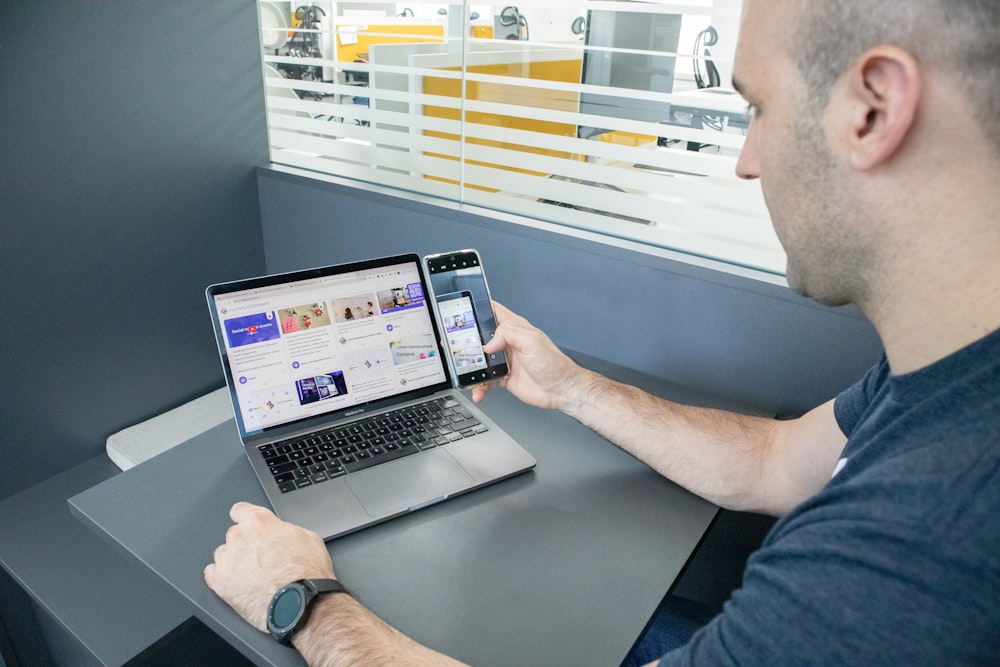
(733, 336)
(129, 136)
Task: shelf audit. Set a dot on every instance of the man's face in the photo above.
(786, 149)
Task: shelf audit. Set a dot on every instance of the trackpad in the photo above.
(416, 480)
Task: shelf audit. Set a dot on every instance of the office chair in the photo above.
(706, 38)
(510, 16)
(305, 45)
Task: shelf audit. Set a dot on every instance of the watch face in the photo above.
(287, 607)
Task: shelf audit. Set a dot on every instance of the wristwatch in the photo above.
(289, 608)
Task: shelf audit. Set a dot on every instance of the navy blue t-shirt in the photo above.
(897, 560)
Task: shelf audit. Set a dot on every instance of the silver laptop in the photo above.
(342, 398)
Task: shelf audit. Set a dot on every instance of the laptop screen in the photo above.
(313, 345)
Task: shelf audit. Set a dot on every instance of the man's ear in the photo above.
(884, 90)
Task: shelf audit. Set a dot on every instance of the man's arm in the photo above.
(736, 461)
(262, 553)
(343, 633)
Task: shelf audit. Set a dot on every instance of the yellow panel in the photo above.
(558, 70)
(627, 138)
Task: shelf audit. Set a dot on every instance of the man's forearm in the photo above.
(715, 454)
(341, 632)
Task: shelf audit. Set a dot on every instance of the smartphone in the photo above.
(465, 315)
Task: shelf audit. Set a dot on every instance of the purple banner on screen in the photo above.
(251, 329)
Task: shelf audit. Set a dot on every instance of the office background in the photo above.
(135, 173)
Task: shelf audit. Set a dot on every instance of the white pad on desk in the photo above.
(135, 444)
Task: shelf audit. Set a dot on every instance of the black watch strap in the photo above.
(317, 586)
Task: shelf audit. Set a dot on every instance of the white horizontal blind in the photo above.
(605, 131)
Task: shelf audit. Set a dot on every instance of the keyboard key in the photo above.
(284, 467)
(276, 460)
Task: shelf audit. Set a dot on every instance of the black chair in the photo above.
(706, 38)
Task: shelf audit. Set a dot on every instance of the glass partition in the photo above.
(613, 117)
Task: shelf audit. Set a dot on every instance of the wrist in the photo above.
(577, 392)
(319, 638)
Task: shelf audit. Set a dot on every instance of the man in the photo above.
(877, 142)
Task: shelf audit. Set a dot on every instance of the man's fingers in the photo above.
(495, 344)
(209, 575)
(501, 311)
(242, 511)
(480, 390)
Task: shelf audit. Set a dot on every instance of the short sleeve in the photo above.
(852, 403)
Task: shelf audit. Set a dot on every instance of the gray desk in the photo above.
(562, 565)
(71, 574)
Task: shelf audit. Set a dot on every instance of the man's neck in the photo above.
(934, 313)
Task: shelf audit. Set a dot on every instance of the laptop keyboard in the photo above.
(317, 457)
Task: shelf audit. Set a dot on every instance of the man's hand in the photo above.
(539, 373)
(262, 554)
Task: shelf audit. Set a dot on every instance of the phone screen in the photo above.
(466, 312)
(461, 331)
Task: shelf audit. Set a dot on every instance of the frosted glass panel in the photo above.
(612, 117)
